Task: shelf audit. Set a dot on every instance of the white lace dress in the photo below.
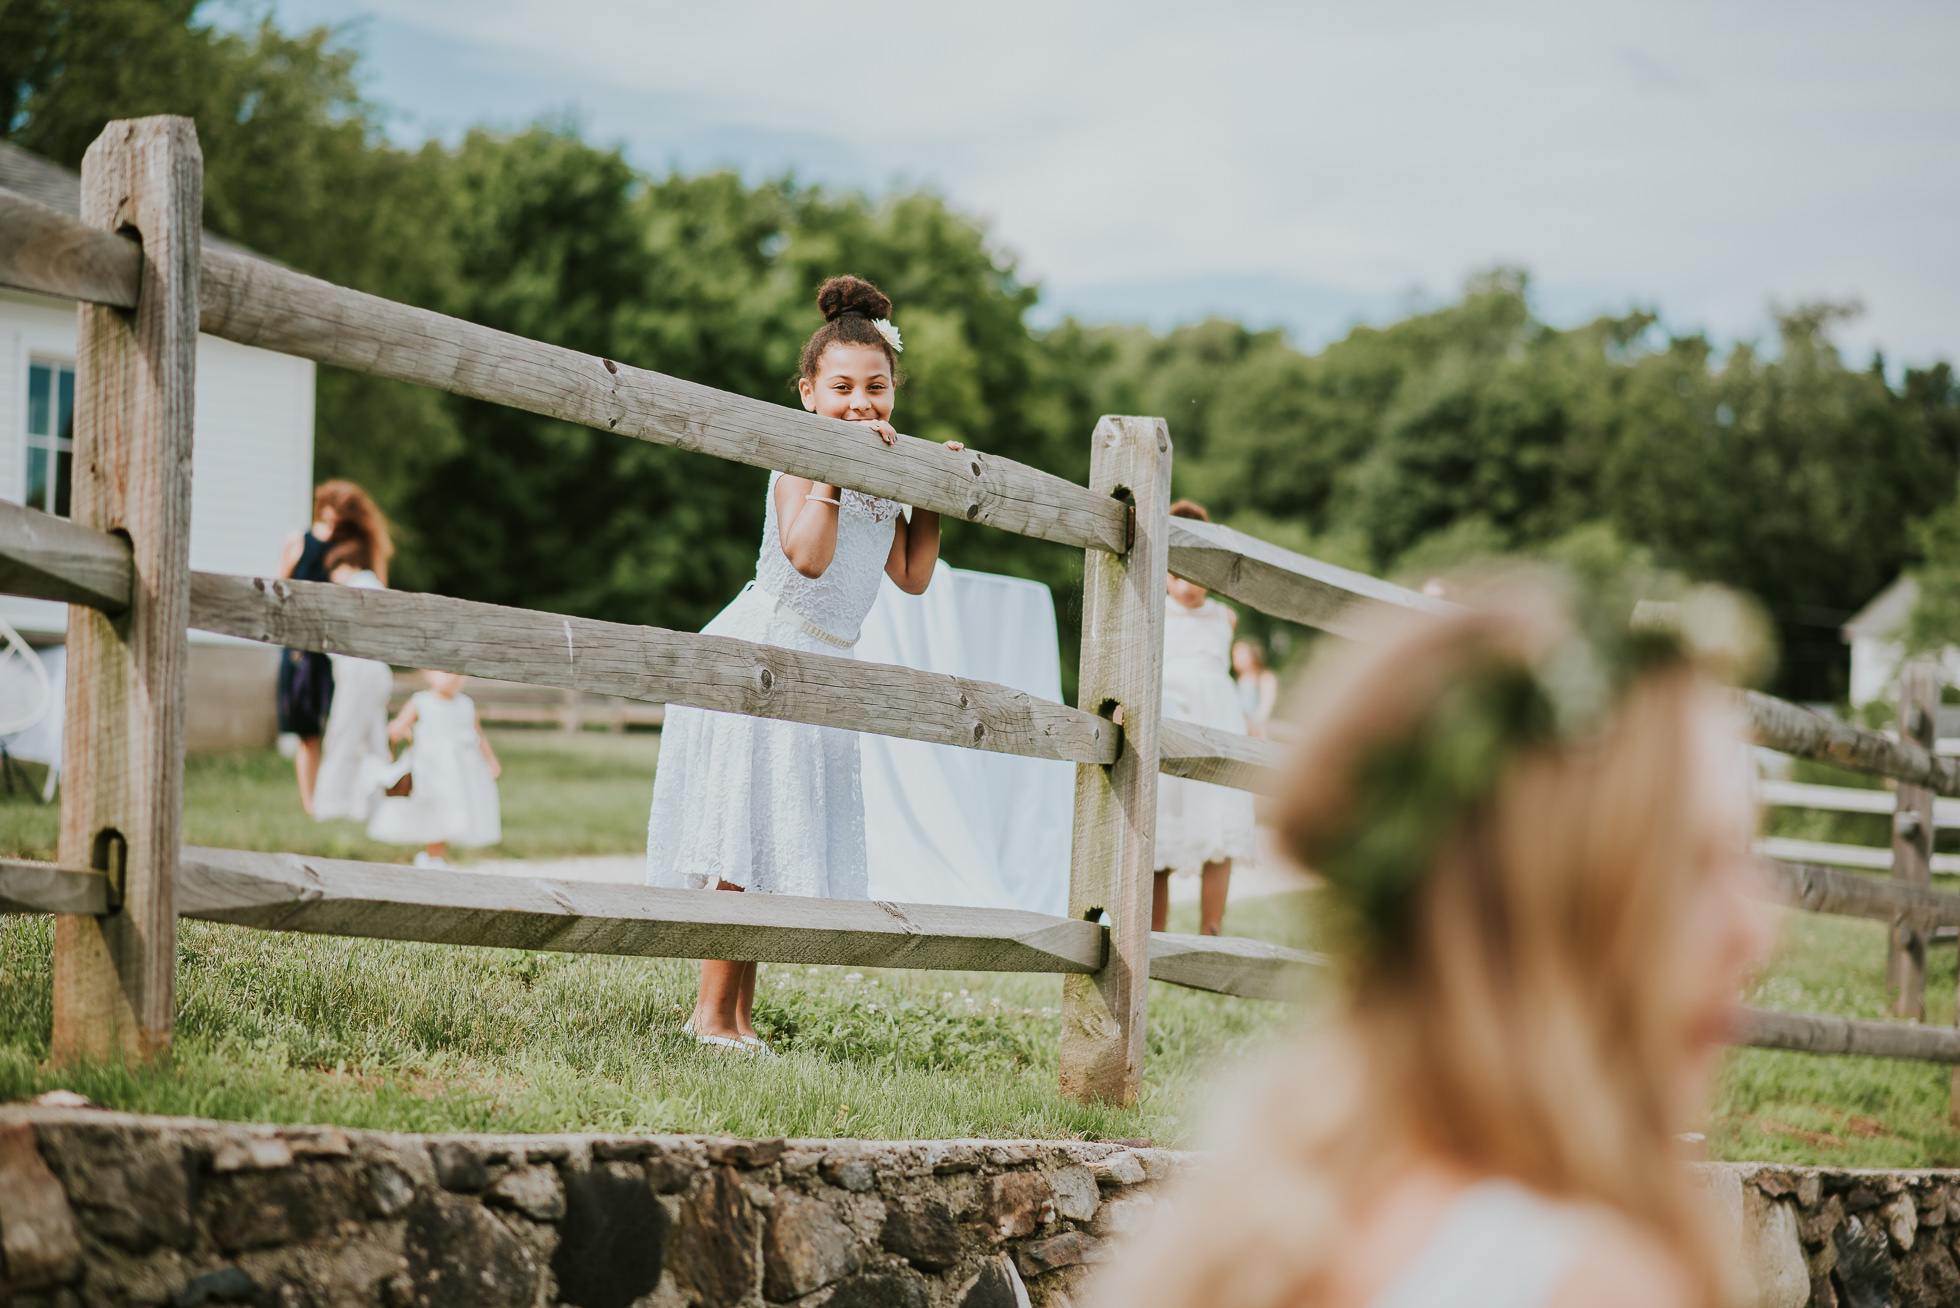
(454, 797)
(775, 807)
(1198, 822)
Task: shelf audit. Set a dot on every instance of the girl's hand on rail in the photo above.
(889, 435)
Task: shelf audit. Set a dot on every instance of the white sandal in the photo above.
(757, 1046)
(714, 1041)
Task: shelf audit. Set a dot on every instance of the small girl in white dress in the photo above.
(452, 798)
(745, 803)
(1201, 827)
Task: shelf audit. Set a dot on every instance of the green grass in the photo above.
(1852, 1112)
(422, 1037)
(430, 1038)
(562, 795)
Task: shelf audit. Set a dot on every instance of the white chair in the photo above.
(27, 696)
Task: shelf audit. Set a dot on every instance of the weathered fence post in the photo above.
(122, 785)
(1116, 805)
(1912, 838)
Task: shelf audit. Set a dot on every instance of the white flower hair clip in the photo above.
(890, 333)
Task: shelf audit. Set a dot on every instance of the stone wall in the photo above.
(1829, 1237)
(107, 1208)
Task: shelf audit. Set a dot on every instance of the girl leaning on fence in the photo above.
(1537, 830)
(744, 803)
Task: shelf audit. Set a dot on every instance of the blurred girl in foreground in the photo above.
(1538, 837)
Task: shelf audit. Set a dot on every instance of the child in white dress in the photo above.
(452, 798)
(744, 803)
(1201, 827)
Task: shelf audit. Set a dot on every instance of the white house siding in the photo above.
(251, 484)
(252, 467)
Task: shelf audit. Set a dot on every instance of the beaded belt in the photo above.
(802, 623)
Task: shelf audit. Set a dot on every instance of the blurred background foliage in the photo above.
(1460, 431)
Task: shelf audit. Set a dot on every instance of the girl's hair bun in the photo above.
(847, 294)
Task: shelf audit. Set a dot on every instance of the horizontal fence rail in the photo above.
(1828, 890)
(1232, 965)
(1846, 799)
(386, 901)
(1820, 1033)
(27, 886)
(1806, 733)
(47, 557)
(256, 303)
(674, 667)
(335, 897)
(1872, 858)
(288, 892)
(1284, 584)
(1225, 758)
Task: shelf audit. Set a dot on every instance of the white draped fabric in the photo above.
(963, 826)
(40, 743)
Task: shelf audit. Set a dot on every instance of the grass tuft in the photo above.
(435, 1038)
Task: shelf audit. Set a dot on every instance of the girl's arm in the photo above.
(289, 553)
(403, 727)
(489, 754)
(915, 549)
(807, 527)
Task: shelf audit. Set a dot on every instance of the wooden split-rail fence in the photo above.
(146, 288)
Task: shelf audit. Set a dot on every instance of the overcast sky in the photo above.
(1289, 163)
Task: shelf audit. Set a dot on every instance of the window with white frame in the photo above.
(50, 434)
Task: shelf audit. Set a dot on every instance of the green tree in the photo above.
(1476, 428)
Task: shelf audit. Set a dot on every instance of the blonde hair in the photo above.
(1520, 1021)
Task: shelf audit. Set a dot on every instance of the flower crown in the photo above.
(1410, 792)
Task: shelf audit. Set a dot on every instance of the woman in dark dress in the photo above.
(306, 677)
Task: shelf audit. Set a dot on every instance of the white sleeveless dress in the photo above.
(1500, 1245)
(1198, 822)
(454, 797)
(354, 747)
(775, 807)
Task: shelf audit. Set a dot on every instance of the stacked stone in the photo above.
(1828, 1237)
(112, 1209)
(107, 1208)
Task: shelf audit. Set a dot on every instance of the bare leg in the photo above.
(1160, 900)
(718, 1006)
(745, 1002)
(306, 764)
(1211, 897)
